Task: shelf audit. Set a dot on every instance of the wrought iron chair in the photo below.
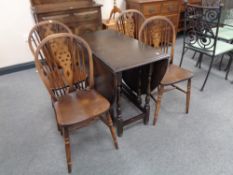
(225, 32)
(159, 32)
(201, 34)
(60, 59)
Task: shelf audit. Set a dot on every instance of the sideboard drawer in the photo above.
(86, 16)
(151, 9)
(170, 7)
(77, 16)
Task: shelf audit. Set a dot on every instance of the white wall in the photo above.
(16, 22)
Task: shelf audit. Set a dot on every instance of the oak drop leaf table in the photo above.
(115, 54)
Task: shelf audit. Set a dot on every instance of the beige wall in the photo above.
(16, 22)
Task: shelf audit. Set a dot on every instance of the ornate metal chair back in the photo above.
(211, 3)
(63, 60)
(129, 22)
(201, 27)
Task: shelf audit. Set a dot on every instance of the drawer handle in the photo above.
(55, 17)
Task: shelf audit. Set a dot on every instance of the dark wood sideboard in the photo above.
(80, 15)
(172, 9)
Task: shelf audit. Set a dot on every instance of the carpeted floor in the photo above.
(200, 143)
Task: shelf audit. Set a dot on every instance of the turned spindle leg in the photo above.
(147, 100)
(158, 103)
(119, 120)
(67, 147)
(110, 125)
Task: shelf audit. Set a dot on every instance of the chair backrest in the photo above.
(201, 27)
(129, 22)
(62, 61)
(211, 3)
(159, 32)
(44, 29)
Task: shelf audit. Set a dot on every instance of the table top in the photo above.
(120, 52)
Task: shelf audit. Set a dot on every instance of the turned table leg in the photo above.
(119, 120)
(147, 100)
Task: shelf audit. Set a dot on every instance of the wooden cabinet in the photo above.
(80, 15)
(168, 8)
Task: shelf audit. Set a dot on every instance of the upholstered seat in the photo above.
(221, 48)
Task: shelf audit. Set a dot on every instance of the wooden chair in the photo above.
(40, 31)
(44, 29)
(129, 22)
(62, 59)
(159, 32)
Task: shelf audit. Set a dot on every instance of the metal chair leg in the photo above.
(229, 66)
(182, 56)
(220, 64)
(188, 94)
(199, 61)
(211, 64)
(194, 55)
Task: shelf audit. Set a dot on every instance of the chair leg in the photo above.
(211, 64)
(220, 64)
(158, 103)
(182, 56)
(199, 61)
(58, 126)
(194, 55)
(229, 67)
(188, 94)
(110, 125)
(67, 147)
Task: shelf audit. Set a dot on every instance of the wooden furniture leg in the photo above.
(119, 122)
(158, 103)
(67, 147)
(147, 101)
(139, 93)
(188, 94)
(110, 125)
(58, 126)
